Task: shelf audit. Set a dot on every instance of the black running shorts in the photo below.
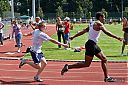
(91, 48)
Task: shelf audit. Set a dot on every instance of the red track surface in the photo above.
(11, 74)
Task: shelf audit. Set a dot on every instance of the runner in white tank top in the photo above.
(92, 48)
(93, 34)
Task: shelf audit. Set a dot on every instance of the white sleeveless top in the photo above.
(93, 34)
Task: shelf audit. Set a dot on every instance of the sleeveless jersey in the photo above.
(93, 34)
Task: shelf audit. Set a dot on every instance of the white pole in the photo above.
(122, 8)
(12, 8)
(33, 9)
(39, 3)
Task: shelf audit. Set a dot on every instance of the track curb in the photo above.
(110, 61)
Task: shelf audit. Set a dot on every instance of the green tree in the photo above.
(59, 12)
(40, 12)
(86, 5)
(105, 13)
(99, 4)
(25, 4)
(89, 15)
(65, 14)
(4, 6)
(50, 6)
(73, 14)
(79, 12)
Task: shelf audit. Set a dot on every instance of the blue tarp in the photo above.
(24, 17)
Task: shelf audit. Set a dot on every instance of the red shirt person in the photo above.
(67, 30)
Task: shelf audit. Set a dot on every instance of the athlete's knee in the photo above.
(104, 60)
(38, 66)
(45, 63)
(86, 64)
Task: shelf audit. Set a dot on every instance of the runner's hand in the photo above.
(121, 39)
(71, 38)
(66, 45)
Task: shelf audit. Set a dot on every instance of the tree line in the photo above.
(72, 8)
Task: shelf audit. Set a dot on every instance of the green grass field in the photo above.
(111, 47)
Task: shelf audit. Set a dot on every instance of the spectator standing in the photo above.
(1, 33)
(60, 30)
(67, 30)
(125, 29)
(18, 34)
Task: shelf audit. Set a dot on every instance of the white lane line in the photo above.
(60, 65)
(10, 53)
(17, 70)
(15, 77)
(57, 79)
(9, 58)
(84, 81)
(2, 64)
(44, 78)
(109, 61)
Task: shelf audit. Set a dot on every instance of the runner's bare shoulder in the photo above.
(97, 25)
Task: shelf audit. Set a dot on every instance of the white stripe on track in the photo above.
(112, 61)
(52, 79)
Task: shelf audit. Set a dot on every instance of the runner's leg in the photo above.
(86, 63)
(123, 46)
(103, 59)
(43, 64)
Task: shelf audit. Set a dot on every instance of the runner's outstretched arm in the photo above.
(80, 33)
(110, 34)
(56, 42)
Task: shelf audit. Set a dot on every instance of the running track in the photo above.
(11, 74)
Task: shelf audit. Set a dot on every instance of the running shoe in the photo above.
(65, 69)
(23, 61)
(109, 79)
(38, 79)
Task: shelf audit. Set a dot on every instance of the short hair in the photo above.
(42, 23)
(13, 21)
(98, 14)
